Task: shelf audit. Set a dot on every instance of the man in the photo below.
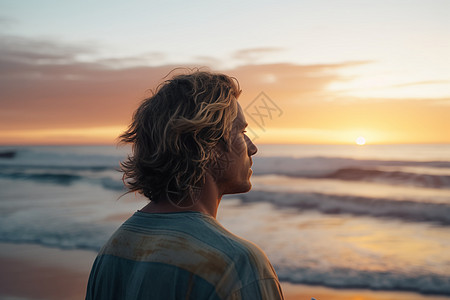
(189, 149)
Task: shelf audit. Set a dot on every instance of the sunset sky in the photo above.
(72, 72)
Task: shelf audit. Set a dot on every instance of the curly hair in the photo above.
(173, 134)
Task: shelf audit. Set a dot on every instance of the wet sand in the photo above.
(36, 272)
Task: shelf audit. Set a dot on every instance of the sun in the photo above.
(360, 140)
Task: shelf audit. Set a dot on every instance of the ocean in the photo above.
(369, 217)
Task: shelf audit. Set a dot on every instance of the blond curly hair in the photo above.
(174, 132)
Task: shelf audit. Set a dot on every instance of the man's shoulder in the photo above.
(245, 255)
(244, 247)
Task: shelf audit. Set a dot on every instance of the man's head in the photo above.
(177, 133)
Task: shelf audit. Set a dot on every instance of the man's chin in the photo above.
(240, 189)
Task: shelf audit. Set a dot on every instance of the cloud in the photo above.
(291, 82)
(34, 51)
(45, 86)
(254, 53)
(207, 60)
(154, 58)
(421, 83)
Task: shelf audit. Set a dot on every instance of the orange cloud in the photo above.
(253, 54)
(49, 96)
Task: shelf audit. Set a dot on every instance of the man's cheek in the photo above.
(238, 146)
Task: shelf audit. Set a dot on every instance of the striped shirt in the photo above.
(183, 255)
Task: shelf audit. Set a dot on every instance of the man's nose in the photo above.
(252, 149)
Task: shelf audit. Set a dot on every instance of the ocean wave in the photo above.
(64, 178)
(64, 236)
(321, 166)
(65, 168)
(382, 171)
(360, 206)
(112, 184)
(391, 177)
(351, 278)
(35, 157)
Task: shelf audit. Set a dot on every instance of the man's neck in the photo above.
(206, 201)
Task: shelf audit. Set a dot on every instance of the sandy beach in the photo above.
(35, 272)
